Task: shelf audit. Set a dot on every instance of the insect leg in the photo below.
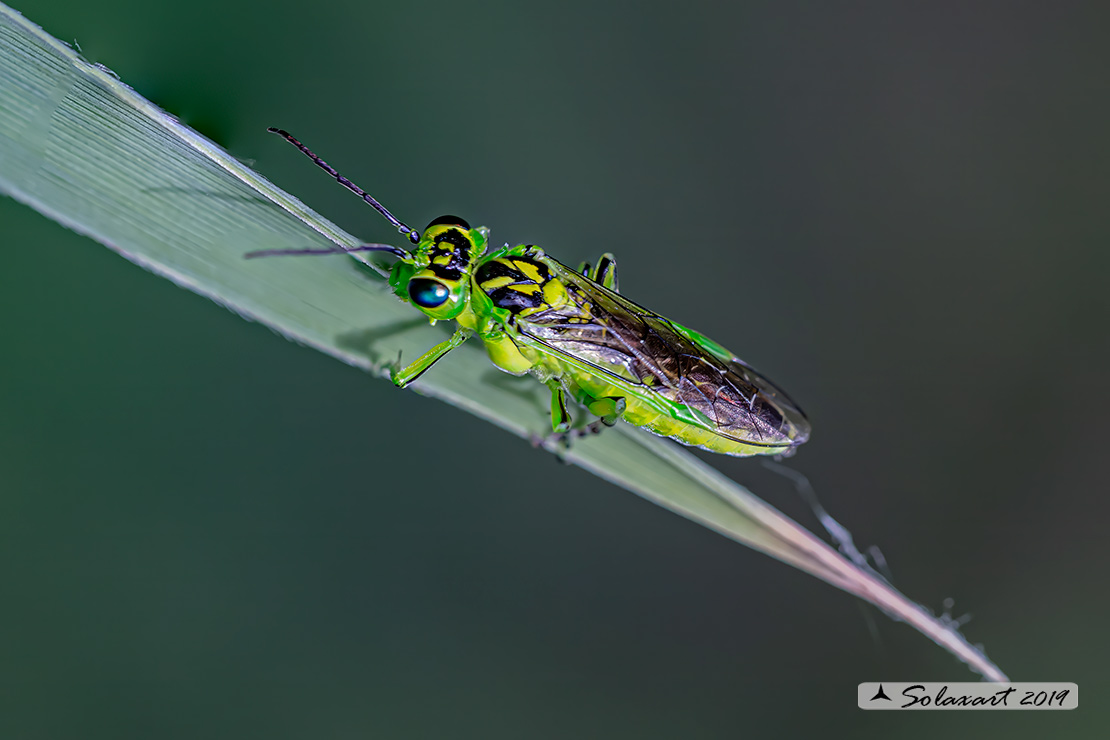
(584, 268)
(560, 417)
(606, 272)
(403, 376)
(609, 408)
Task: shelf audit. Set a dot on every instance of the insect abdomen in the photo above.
(663, 417)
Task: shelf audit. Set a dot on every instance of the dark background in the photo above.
(898, 214)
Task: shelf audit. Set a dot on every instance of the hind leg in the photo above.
(607, 408)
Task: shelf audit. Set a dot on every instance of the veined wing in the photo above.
(621, 339)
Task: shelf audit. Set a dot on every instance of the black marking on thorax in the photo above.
(510, 282)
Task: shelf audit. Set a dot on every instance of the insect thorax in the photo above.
(521, 285)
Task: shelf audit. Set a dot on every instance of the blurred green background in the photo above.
(898, 213)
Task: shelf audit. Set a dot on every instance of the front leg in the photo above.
(403, 376)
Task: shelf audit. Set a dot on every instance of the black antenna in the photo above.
(329, 250)
(413, 236)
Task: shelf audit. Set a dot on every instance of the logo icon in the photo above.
(880, 694)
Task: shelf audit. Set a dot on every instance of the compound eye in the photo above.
(449, 221)
(428, 293)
